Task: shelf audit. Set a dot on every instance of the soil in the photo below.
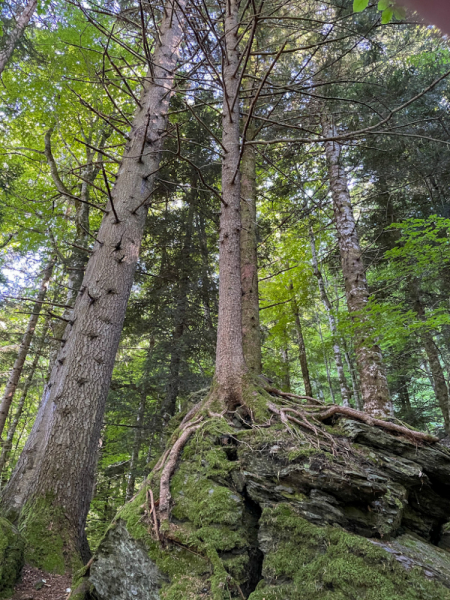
(55, 587)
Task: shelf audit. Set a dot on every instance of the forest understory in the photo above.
(224, 300)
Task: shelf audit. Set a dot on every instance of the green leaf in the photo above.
(360, 5)
(399, 13)
(383, 4)
(386, 16)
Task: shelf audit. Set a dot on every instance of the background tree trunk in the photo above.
(11, 386)
(345, 392)
(16, 34)
(80, 379)
(432, 352)
(7, 445)
(302, 350)
(372, 374)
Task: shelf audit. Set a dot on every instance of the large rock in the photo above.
(11, 557)
(268, 514)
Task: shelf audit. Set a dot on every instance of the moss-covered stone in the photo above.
(327, 563)
(11, 557)
(320, 498)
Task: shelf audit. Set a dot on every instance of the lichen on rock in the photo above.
(11, 557)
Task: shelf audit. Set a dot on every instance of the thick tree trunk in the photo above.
(372, 373)
(345, 392)
(302, 350)
(251, 336)
(432, 351)
(11, 386)
(16, 34)
(230, 363)
(7, 445)
(82, 373)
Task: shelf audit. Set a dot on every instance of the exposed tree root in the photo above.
(356, 414)
(273, 390)
(347, 411)
(169, 468)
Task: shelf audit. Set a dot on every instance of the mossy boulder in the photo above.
(11, 557)
(278, 514)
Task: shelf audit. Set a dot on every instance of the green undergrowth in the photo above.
(327, 563)
(11, 557)
(48, 540)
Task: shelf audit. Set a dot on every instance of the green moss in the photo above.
(49, 542)
(327, 563)
(11, 557)
(208, 523)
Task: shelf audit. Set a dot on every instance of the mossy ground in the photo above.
(11, 557)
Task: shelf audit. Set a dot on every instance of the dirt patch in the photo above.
(52, 587)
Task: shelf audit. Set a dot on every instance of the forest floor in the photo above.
(52, 587)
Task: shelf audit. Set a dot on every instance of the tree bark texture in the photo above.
(11, 386)
(372, 374)
(16, 33)
(230, 363)
(75, 266)
(80, 379)
(251, 337)
(345, 392)
(7, 445)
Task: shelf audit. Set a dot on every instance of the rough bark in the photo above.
(251, 336)
(7, 445)
(432, 351)
(80, 379)
(11, 386)
(345, 392)
(230, 362)
(16, 33)
(74, 266)
(372, 374)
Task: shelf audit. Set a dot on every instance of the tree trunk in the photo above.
(251, 337)
(169, 403)
(432, 351)
(7, 445)
(80, 379)
(302, 350)
(230, 362)
(345, 392)
(16, 34)
(325, 360)
(372, 374)
(353, 377)
(11, 386)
